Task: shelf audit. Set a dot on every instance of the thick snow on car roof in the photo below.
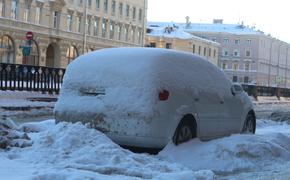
(132, 78)
(144, 66)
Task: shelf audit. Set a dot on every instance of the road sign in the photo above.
(29, 35)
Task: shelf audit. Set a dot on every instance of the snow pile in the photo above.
(72, 151)
(169, 32)
(10, 136)
(232, 154)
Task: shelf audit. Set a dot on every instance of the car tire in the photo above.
(185, 131)
(250, 124)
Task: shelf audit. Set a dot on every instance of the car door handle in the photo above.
(222, 102)
(196, 99)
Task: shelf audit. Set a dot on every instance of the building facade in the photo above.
(65, 29)
(247, 55)
(171, 37)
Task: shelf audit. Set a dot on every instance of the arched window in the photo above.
(7, 50)
(33, 58)
(71, 54)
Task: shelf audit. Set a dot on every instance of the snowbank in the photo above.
(72, 151)
(235, 153)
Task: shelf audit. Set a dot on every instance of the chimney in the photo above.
(188, 23)
(218, 21)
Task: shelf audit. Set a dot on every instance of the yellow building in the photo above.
(59, 28)
(171, 37)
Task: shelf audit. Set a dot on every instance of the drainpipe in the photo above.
(144, 28)
(270, 59)
(286, 78)
(85, 26)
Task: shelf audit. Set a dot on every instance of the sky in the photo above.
(270, 16)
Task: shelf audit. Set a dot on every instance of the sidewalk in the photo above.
(26, 106)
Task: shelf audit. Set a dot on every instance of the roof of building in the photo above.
(173, 32)
(238, 29)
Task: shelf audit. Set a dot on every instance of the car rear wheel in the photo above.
(185, 131)
(250, 124)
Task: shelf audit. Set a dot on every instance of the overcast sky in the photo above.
(270, 16)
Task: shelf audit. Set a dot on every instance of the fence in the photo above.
(30, 78)
(256, 91)
(45, 79)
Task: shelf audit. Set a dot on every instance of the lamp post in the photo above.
(85, 26)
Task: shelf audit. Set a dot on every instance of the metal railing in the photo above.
(17, 77)
(256, 91)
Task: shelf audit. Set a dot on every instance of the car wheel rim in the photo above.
(184, 134)
(249, 125)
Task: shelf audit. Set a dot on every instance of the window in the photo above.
(235, 78)
(26, 11)
(127, 10)
(104, 27)
(226, 41)
(112, 29)
(96, 27)
(204, 51)
(121, 9)
(38, 12)
(225, 52)
(225, 65)
(126, 33)
(237, 41)
(237, 53)
(193, 48)
(7, 50)
(168, 46)
(113, 7)
(2, 8)
(88, 25)
(120, 32)
(209, 52)
(14, 9)
(214, 53)
(89, 3)
(235, 66)
(79, 24)
(106, 5)
(97, 4)
(133, 35)
(199, 50)
(153, 45)
(246, 79)
(140, 15)
(247, 66)
(248, 53)
(69, 22)
(249, 41)
(139, 36)
(134, 13)
(55, 19)
(71, 53)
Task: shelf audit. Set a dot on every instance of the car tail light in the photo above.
(163, 95)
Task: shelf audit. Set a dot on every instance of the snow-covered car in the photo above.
(146, 97)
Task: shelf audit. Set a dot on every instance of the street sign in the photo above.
(29, 35)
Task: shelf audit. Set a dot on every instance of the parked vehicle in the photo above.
(146, 97)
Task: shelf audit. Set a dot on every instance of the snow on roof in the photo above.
(238, 29)
(172, 31)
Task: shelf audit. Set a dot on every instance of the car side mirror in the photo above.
(236, 89)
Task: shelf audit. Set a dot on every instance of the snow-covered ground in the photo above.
(73, 151)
